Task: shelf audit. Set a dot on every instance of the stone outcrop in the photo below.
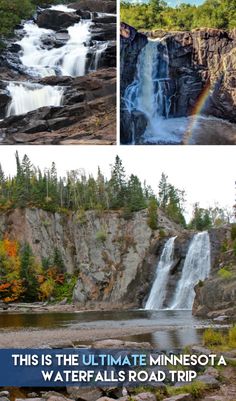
(202, 66)
(87, 114)
(216, 297)
(102, 6)
(56, 20)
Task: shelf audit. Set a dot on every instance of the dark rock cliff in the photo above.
(202, 66)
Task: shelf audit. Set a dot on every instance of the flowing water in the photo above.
(176, 329)
(151, 93)
(39, 61)
(158, 291)
(196, 268)
(27, 97)
(69, 59)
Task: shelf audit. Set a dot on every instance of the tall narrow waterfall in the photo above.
(27, 97)
(196, 267)
(149, 91)
(152, 93)
(158, 291)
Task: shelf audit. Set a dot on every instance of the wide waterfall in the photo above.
(27, 97)
(158, 291)
(196, 268)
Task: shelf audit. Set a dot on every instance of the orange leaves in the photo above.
(10, 292)
(4, 287)
(11, 247)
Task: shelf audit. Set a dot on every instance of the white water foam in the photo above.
(69, 59)
(27, 97)
(158, 292)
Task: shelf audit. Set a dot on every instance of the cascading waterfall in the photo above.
(27, 97)
(69, 59)
(39, 61)
(158, 291)
(196, 267)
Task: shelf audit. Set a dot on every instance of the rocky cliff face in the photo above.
(217, 295)
(115, 259)
(202, 67)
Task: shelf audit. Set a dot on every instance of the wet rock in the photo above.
(103, 32)
(5, 99)
(56, 20)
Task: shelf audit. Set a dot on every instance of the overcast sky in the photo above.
(206, 173)
(171, 3)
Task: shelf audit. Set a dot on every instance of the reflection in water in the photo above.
(173, 328)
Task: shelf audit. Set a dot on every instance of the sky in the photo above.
(205, 173)
(172, 3)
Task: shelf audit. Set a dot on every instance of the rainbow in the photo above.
(196, 111)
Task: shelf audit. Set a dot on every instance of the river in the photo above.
(163, 329)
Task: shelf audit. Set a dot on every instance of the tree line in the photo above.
(77, 191)
(13, 11)
(157, 14)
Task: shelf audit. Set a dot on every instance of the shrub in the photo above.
(152, 214)
(233, 232)
(224, 246)
(101, 236)
(232, 337)
(225, 274)
(196, 389)
(212, 337)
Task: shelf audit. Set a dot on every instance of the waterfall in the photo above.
(69, 59)
(196, 267)
(27, 97)
(63, 8)
(158, 291)
(149, 91)
(152, 92)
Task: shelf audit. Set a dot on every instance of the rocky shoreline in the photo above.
(211, 384)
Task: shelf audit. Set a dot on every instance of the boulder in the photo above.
(145, 397)
(56, 20)
(210, 381)
(85, 394)
(107, 6)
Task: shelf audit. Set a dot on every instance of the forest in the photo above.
(157, 14)
(78, 192)
(25, 278)
(13, 11)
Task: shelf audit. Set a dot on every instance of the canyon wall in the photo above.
(202, 66)
(114, 258)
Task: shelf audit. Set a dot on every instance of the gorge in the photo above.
(133, 266)
(58, 75)
(177, 87)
